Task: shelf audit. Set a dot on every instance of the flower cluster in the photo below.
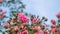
(20, 25)
(55, 29)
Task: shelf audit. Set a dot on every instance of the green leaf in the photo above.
(7, 30)
(31, 32)
(23, 6)
(12, 1)
(38, 23)
(3, 32)
(0, 30)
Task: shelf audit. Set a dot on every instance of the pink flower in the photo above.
(39, 32)
(19, 32)
(53, 26)
(3, 12)
(2, 15)
(42, 26)
(37, 28)
(6, 25)
(24, 28)
(53, 22)
(25, 32)
(46, 32)
(16, 28)
(1, 1)
(12, 23)
(55, 30)
(58, 15)
(35, 20)
(23, 18)
(14, 32)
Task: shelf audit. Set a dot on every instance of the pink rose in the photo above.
(2, 15)
(25, 32)
(6, 25)
(37, 28)
(39, 32)
(46, 32)
(24, 28)
(1, 1)
(53, 26)
(42, 26)
(3, 12)
(16, 28)
(35, 20)
(18, 32)
(58, 15)
(23, 18)
(53, 22)
(55, 30)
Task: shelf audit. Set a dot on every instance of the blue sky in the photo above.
(47, 8)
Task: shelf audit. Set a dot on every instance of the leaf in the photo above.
(0, 30)
(7, 30)
(12, 1)
(23, 6)
(26, 14)
(9, 1)
(31, 32)
(43, 18)
(28, 28)
(38, 23)
(3, 32)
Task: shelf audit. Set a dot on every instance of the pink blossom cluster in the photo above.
(21, 27)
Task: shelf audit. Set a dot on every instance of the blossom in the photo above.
(53, 22)
(35, 20)
(53, 26)
(46, 32)
(39, 32)
(1, 1)
(42, 26)
(16, 28)
(58, 15)
(23, 18)
(37, 28)
(2, 15)
(11, 23)
(6, 25)
(25, 32)
(55, 30)
(24, 28)
(18, 32)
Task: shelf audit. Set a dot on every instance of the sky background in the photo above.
(47, 8)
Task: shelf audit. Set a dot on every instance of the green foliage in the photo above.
(3, 32)
(0, 30)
